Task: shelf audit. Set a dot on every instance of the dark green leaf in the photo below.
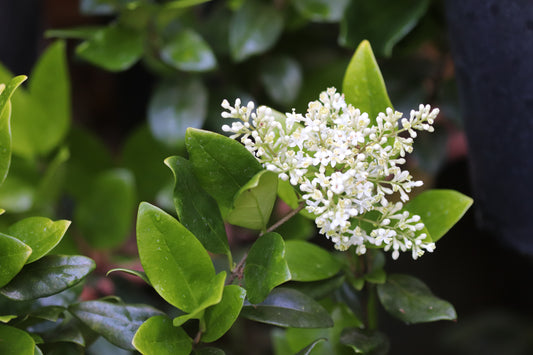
(175, 107)
(410, 300)
(221, 165)
(14, 341)
(40, 233)
(288, 308)
(84, 32)
(117, 323)
(106, 212)
(364, 20)
(13, 256)
(282, 79)
(47, 276)
(157, 336)
(363, 85)
(321, 10)
(439, 210)
(197, 211)
(220, 317)
(254, 28)
(308, 262)
(188, 51)
(309, 348)
(175, 261)
(114, 48)
(365, 342)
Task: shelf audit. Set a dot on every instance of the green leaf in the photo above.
(197, 210)
(16, 194)
(319, 289)
(254, 202)
(288, 308)
(308, 262)
(439, 210)
(365, 342)
(82, 32)
(13, 256)
(188, 51)
(6, 91)
(40, 233)
(7, 318)
(410, 300)
(282, 78)
(140, 274)
(321, 10)
(365, 20)
(52, 183)
(287, 194)
(117, 323)
(363, 85)
(105, 214)
(254, 29)
(220, 317)
(14, 341)
(309, 348)
(221, 165)
(174, 107)
(114, 48)
(158, 336)
(209, 351)
(265, 267)
(175, 261)
(47, 276)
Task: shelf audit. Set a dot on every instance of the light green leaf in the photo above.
(47, 276)
(174, 107)
(282, 78)
(188, 51)
(175, 262)
(13, 256)
(114, 48)
(254, 29)
(14, 341)
(221, 165)
(140, 274)
(182, 4)
(7, 318)
(82, 32)
(118, 323)
(365, 342)
(220, 317)
(105, 214)
(157, 336)
(439, 210)
(40, 233)
(197, 211)
(309, 262)
(410, 300)
(254, 202)
(287, 194)
(288, 308)
(321, 10)
(363, 85)
(52, 183)
(265, 267)
(16, 194)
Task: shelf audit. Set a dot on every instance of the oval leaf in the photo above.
(410, 300)
(14, 341)
(188, 51)
(117, 323)
(13, 256)
(157, 336)
(47, 276)
(40, 233)
(288, 308)
(220, 317)
(363, 85)
(308, 262)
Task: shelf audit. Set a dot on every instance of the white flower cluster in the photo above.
(345, 167)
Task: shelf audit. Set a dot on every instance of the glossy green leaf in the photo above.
(365, 342)
(114, 48)
(321, 10)
(6, 91)
(14, 341)
(309, 262)
(105, 214)
(175, 262)
(282, 78)
(254, 202)
(140, 274)
(118, 323)
(188, 51)
(410, 300)
(221, 165)
(157, 336)
(365, 20)
(13, 256)
(288, 308)
(197, 211)
(220, 317)
(40, 233)
(265, 267)
(363, 84)
(82, 32)
(47, 276)
(174, 107)
(309, 348)
(254, 29)
(439, 210)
